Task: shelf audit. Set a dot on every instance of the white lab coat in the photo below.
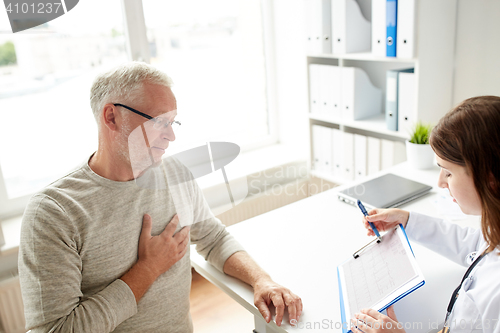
(477, 308)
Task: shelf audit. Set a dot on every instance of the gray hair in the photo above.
(123, 84)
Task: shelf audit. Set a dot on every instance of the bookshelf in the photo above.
(435, 25)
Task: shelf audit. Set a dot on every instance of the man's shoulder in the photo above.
(69, 185)
(75, 179)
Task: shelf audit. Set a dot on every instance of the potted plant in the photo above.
(418, 150)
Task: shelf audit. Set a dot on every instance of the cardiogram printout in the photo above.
(376, 277)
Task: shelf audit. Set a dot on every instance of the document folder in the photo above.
(383, 274)
(406, 29)
(392, 94)
(315, 89)
(406, 102)
(391, 19)
(379, 33)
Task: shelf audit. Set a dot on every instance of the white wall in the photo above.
(477, 53)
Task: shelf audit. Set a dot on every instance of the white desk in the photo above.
(300, 246)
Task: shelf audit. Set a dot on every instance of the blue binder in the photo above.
(392, 97)
(391, 22)
(345, 320)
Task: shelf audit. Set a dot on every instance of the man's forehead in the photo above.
(160, 91)
(160, 101)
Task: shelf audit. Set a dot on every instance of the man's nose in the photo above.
(168, 133)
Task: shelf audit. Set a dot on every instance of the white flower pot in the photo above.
(419, 156)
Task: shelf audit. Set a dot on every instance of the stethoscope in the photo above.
(454, 296)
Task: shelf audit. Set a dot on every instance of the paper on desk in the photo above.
(446, 207)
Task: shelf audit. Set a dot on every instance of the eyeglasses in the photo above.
(158, 123)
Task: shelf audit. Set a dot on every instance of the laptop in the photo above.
(386, 191)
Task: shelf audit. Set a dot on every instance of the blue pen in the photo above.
(365, 213)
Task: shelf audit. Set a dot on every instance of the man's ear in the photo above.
(109, 116)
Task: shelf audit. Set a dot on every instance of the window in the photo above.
(215, 55)
(47, 127)
(214, 52)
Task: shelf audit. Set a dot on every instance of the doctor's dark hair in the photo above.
(469, 135)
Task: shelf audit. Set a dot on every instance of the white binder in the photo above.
(379, 28)
(351, 31)
(348, 156)
(317, 151)
(326, 149)
(360, 156)
(406, 102)
(326, 90)
(330, 90)
(312, 9)
(406, 29)
(314, 89)
(373, 155)
(360, 98)
(326, 26)
(338, 153)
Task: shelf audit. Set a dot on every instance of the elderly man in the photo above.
(101, 253)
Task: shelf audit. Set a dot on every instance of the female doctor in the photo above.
(466, 143)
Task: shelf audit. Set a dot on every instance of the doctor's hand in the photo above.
(266, 291)
(372, 321)
(385, 219)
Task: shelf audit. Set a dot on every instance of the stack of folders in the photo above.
(342, 93)
(400, 104)
(393, 28)
(336, 26)
(339, 26)
(347, 156)
(318, 26)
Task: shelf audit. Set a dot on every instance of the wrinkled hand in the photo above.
(267, 291)
(385, 219)
(372, 321)
(159, 253)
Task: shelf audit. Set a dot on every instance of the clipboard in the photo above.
(383, 274)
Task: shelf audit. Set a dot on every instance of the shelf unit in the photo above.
(373, 126)
(365, 56)
(435, 26)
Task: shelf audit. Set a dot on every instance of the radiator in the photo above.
(11, 306)
(277, 196)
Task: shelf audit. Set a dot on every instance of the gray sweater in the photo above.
(80, 235)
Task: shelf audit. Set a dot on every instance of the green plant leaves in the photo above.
(421, 133)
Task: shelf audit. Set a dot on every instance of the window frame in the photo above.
(10, 207)
(138, 50)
